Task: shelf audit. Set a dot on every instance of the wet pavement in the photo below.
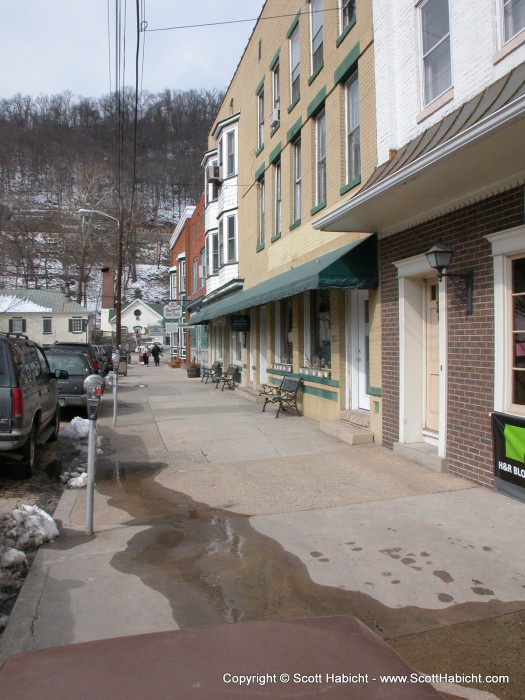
(208, 511)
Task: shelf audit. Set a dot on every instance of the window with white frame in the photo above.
(231, 243)
(260, 119)
(230, 153)
(215, 252)
(276, 87)
(76, 325)
(283, 330)
(194, 274)
(316, 30)
(262, 212)
(277, 198)
(347, 14)
(297, 180)
(182, 276)
(517, 315)
(320, 129)
(214, 186)
(295, 67)
(513, 18)
(221, 243)
(17, 325)
(435, 46)
(47, 326)
(353, 130)
(202, 268)
(320, 346)
(173, 284)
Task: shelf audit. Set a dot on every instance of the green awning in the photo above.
(353, 266)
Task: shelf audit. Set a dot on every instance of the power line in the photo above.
(231, 21)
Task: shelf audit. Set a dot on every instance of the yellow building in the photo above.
(294, 138)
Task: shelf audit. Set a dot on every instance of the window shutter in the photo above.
(10, 325)
(84, 325)
(24, 324)
(70, 324)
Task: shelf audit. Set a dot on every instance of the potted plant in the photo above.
(193, 369)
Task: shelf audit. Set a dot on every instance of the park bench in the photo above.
(211, 372)
(228, 378)
(284, 395)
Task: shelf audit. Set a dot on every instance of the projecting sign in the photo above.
(509, 454)
(172, 311)
(171, 327)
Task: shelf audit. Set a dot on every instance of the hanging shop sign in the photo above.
(240, 323)
(172, 312)
(509, 454)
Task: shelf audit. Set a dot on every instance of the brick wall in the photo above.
(470, 338)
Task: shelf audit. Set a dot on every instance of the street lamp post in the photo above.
(118, 300)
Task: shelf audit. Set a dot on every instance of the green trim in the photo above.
(275, 238)
(259, 248)
(259, 150)
(293, 25)
(374, 391)
(321, 393)
(294, 131)
(276, 153)
(350, 186)
(317, 104)
(295, 225)
(305, 377)
(260, 86)
(259, 173)
(345, 32)
(314, 75)
(347, 66)
(275, 128)
(274, 60)
(293, 104)
(318, 207)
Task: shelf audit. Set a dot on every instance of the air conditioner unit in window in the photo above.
(214, 174)
(275, 115)
(202, 271)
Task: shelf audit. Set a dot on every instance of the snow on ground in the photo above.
(78, 430)
(22, 532)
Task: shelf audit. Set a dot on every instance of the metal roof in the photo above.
(58, 302)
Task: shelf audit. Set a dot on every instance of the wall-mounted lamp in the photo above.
(440, 257)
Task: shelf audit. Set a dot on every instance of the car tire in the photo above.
(56, 425)
(24, 470)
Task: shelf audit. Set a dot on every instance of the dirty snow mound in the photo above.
(78, 428)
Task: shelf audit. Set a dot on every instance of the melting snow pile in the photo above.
(78, 429)
(22, 532)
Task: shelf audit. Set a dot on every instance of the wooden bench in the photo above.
(284, 395)
(211, 372)
(228, 378)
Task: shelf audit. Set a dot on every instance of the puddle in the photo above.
(213, 567)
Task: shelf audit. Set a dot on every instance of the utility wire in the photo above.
(233, 21)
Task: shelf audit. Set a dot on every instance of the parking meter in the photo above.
(115, 358)
(94, 387)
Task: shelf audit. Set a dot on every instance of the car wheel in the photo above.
(56, 425)
(25, 468)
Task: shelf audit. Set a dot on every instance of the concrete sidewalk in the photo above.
(428, 560)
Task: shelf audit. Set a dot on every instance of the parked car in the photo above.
(71, 392)
(109, 350)
(86, 348)
(29, 406)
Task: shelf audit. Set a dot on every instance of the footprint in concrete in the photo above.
(407, 560)
(424, 554)
(349, 542)
(357, 549)
(387, 573)
(487, 548)
(316, 554)
(444, 576)
(392, 553)
(323, 559)
(395, 580)
(445, 598)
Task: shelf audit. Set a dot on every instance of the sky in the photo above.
(50, 46)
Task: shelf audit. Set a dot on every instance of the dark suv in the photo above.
(86, 348)
(29, 408)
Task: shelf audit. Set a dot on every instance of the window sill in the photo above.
(314, 75)
(317, 208)
(345, 32)
(291, 107)
(259, 150)
(436, 105)
(295, 225)
(259, 248)
(350, 186)
(275, 128)
(275, 238)
(509, 47)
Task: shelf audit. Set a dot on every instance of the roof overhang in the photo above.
(484, 159)
(354, 266)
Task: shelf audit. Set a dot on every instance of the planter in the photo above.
(174, 362)
(312, 372)
(193, 372)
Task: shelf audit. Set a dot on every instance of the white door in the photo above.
(432, 356)
(359, 356)
(263, 365)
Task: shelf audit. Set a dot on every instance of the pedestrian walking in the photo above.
(145, 357)
(155, 351)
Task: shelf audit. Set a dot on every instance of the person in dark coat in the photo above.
(145, 357)
(155, 351)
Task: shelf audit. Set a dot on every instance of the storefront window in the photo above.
(284, 332)
(518, 331)
(320, 340)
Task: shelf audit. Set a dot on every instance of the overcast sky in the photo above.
(49, 46)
